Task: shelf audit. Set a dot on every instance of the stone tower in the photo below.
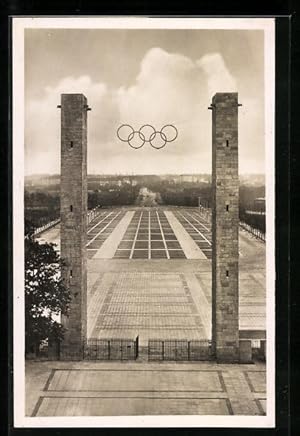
(225, 227)
(73, 225)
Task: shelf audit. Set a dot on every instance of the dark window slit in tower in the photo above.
(227, 143)
(227, 273)
(71, 144)
(227, 208)
(71, 273)
(71, 208)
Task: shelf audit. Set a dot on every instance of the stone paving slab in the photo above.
(190, 248)
(145, 333)
(132, 388)
(202, 304)
(149, 265)
(262, 405)
(137, 298)
(117, 310)
(252, 299)
(110, 245)
(153, 304)
(196, 229)
(122, 406)
(157, 298)
(252, 249)
(149, 235)
(256, 381)
(135, 380)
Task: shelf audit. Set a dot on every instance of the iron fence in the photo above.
(254, 231)
(91, 215)
(45, 227)
(179, 350)
(110, 349)
(257, 233)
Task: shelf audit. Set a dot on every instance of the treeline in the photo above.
(248, 194)
(186, 195)
(256, 221)
(43, 207)
(189, 196)
(123, 196)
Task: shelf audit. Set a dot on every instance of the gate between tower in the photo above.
(158, 349)
(111, 349)
(184, 350)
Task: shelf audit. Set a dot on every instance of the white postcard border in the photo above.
(19, 25)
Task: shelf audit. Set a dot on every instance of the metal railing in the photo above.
(91, 215)
(111, 349)
(255, 232)
(206, 215)
(46, 227)
(179, 350)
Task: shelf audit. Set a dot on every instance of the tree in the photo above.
(46, 296)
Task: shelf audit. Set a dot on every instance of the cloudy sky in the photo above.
(141, 77)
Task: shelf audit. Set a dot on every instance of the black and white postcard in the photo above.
(143, 197)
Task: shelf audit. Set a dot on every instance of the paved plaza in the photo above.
(149, 275)
(113, 388)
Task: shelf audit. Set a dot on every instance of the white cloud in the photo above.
(219, 78)
(162, 92)
(169, 88)
(42, 122)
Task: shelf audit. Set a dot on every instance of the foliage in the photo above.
(248, 194)
(256, 221)
(41, 207)
(113, 196)
(45, 293)
(186, 194)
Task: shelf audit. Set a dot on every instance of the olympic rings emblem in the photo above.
(147, 133)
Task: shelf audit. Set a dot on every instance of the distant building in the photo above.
(193, 178)
(111, 182)
(186, 178)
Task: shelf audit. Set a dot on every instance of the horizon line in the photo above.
(142, 174)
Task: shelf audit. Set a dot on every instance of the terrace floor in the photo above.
(149, 274)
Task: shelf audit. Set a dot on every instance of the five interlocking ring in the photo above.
(147, 133)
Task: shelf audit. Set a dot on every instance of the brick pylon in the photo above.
(225, 227)
(73, 225)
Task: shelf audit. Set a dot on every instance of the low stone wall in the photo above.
(45, 227)
(251, 350)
